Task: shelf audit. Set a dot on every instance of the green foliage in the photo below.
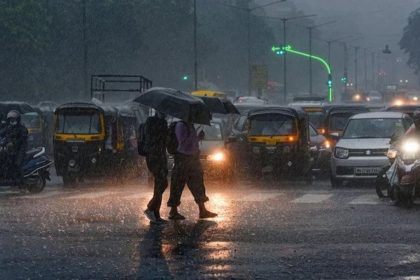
(410, 41)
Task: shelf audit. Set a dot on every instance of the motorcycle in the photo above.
(408, 172)
(35, 169)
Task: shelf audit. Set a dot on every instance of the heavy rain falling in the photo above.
(209, 139)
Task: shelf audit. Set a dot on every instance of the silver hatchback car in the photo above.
(360, 153)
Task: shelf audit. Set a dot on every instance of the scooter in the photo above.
(408, 172)
(386, 177)
(35, 170)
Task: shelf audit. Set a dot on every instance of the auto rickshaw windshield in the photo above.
(86, 123)
(31, 120)
(338, 121)
(272, 124)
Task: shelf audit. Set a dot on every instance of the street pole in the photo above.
(329, 52)
(249, 51)
(373, 71)
(346, 73)
(85, 51)
(284, 20)
(356, 50)
(195, 47)
(310, 60)
(365, 66)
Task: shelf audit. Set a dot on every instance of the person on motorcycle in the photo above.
(414, 130)
(16, 141)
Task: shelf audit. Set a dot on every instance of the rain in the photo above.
(209, 139)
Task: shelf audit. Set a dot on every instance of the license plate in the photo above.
(364, 171)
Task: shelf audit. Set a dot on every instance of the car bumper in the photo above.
(346, 168)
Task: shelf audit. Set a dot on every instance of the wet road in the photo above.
(264, 231)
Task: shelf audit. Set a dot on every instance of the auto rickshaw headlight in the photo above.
(93, 160)
(217, 156)
(341, 153)
(72, 163)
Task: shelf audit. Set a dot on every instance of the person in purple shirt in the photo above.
(187, 170)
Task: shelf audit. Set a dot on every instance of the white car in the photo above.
(360, 153)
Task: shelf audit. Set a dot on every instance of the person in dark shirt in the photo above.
(156, 134)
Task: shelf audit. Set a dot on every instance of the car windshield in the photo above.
(213, 132)
(78, 123)
(272, 125)
(374, 128)
(31, 120)
(338, 121)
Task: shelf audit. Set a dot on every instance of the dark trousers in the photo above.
(158, 166)
(187, 170)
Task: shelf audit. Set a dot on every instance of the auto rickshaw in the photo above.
(273, 139)
(209, 93)
(88, 141)
(336, 117)
(406, 109)
(315, 111)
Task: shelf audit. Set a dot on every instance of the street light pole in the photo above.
(195, 47)
(310, 59)
(356, 73)
(249, 52)
(373, 71)
(85, 51)
(365, 66)
(284, 20)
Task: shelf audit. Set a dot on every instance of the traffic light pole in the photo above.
(195, 47)
(284, 20)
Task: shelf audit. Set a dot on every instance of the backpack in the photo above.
(141, 141)
(172, 143)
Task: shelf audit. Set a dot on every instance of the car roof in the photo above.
(379, 115)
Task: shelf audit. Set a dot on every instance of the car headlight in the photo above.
(341, 153)
(392, 154)
(218, 157)
(326, 145)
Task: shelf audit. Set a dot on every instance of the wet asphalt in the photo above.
(265, 230)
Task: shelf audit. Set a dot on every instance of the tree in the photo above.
(410, 41)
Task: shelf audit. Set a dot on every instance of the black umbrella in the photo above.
(176, 103)
(220, 106)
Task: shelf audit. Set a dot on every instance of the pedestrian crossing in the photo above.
(314, 197)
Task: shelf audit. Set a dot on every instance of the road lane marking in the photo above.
(42, 195)
(367, 199)
(92, 195)
(258, 197)
(138, 195)
(312, 198)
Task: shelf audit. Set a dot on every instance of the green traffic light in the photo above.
(185, 78)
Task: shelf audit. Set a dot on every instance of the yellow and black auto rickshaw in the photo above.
(88, 141)
(336, 118)
(273, 139)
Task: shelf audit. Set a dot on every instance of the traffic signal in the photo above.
(344, 80)
(329, 83)
(185, 78)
